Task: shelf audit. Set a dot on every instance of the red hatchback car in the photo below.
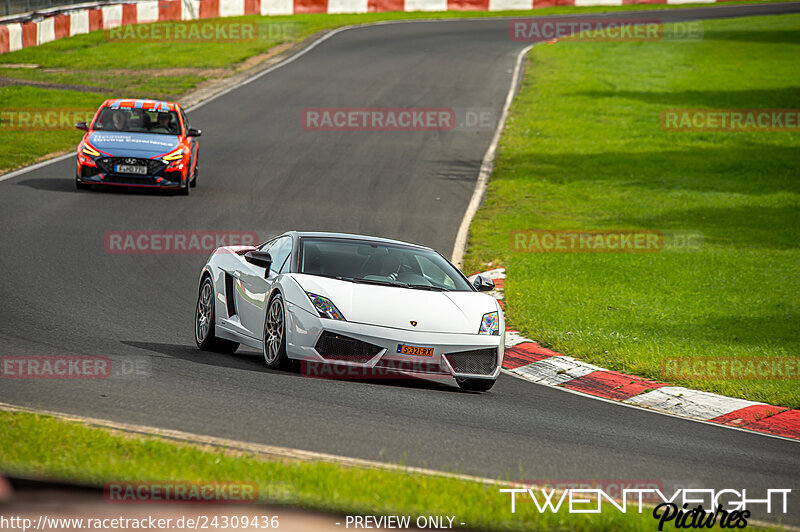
(138, 143)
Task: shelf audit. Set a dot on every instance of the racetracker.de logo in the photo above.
(586, 241)
(55, 367)
(731, 368)
(601, 29)
(210, 31)
(378, 119)
(389, 369)
(42, 119)
(180, 492)
(732, 120)
(177, 242)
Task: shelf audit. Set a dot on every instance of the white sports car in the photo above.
(351, 300)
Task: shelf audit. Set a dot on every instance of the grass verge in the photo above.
(57, 449)
(101, 66)
(584, 149)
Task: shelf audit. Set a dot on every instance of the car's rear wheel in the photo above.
(275, 335)
(204, 322)
(476, 385)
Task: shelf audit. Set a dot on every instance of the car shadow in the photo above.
(243, 359)
(59, 184)
(251, 360)
(52, 184)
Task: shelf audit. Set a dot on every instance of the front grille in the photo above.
(107, 163)
(479, 362)
(333, 346)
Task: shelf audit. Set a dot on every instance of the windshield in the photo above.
(379, 263)
(138, 121)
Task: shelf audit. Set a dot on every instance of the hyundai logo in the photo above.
(130, 161)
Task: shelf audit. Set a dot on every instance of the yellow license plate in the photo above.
(414, 350)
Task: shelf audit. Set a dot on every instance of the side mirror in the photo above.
(262, 259)
(482, 284)
(194, 132)
(83, 126)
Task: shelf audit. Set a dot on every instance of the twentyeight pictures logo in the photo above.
(684, 508)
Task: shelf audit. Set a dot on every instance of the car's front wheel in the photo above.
(476, 385)
(81, 186)
(275, 335)
(204, 335)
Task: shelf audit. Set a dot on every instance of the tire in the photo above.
(184, 191)
(274, 348)
(204, 322)
(476, 385)
(193, 182)
(81, 186)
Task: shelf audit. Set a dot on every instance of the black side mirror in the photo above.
(194, 132)
(262, 259)
(482, 284)
(83, 126)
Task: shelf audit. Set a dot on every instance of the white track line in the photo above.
(487, 165)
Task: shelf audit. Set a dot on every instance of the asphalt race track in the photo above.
(62, 293)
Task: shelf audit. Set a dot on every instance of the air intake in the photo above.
(479, 362)
(333, 346)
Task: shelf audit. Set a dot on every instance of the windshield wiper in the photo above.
(338, 277)
(379, 282)
(427, 287)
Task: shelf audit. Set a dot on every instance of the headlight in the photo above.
(325, 307)
(490, 324)
(174, 155)
(89, 150)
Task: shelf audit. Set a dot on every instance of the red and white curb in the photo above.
(530, 361)
(69, 22)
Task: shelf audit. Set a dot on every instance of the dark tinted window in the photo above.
(380, 263)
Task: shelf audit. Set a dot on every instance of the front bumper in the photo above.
(454, 355)
(159, 175)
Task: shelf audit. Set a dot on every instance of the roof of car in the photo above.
(313, 234)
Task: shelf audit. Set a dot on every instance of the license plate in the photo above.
(130, 169)
(414, 350)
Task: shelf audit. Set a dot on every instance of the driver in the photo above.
(120, 120)
(164, 121)
(390, 265)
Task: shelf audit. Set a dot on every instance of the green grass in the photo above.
(105, 67)
(56, 449)
(583, 149)
(19, 147)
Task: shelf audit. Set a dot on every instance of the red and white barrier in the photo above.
(14, 36)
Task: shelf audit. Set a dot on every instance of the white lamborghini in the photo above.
(351, 300)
